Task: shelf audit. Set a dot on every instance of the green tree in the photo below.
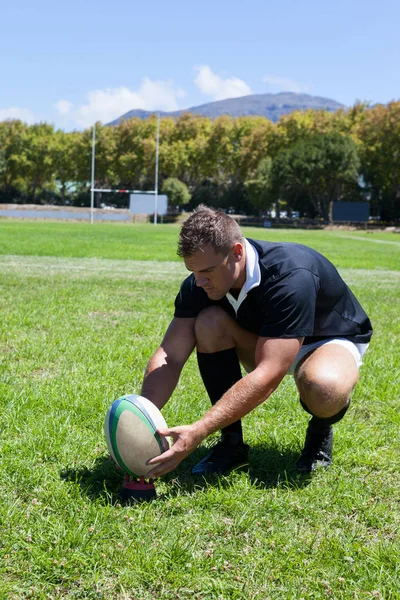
(379, 134)
(220, 150)
(13, 143)
(3, 162)
(39, 173)
(299, 125)
(134, 157)
(318, 168)
(177, 192)
(105, 150)
(255, 145)
(183, 145)
(65, 161)
(259, 186)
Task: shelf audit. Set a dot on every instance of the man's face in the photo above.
(217, 273)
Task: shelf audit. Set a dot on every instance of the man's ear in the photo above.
(238, 251)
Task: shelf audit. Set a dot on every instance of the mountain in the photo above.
(272, 106)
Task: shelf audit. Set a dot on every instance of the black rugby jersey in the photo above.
(296, 292)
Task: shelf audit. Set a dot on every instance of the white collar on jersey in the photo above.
(253, 276)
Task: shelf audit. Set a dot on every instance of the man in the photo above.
(274, 308)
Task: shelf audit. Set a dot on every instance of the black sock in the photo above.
(319, 424)
(220, 371)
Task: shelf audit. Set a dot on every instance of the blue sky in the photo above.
(72, 63)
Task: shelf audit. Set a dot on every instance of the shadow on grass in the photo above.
(268, 467)
(103, 480)
(271, 466)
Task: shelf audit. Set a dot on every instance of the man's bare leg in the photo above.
(325, 379)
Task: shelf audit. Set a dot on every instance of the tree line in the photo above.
(247, 164)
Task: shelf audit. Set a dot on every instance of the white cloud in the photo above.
(110, 103)
(14, 112)
(282, 84)
(218, 88)
(64, 107)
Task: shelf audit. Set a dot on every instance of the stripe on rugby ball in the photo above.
(153, 415)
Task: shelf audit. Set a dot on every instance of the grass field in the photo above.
(82, 309)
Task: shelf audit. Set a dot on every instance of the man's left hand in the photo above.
(185, 439)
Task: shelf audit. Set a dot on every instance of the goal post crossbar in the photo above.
(116, 191)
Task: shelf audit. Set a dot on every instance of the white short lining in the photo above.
(357, 351)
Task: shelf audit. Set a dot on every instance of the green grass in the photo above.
(352, 249)
(82, 309)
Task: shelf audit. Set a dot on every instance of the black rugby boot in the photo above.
(317, 451)
(227, 454)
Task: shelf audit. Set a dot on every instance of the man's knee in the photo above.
(326, 378)
(321, 382)
(212, 330)
(324, 391)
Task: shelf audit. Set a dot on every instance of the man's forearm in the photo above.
(273, 358)
(237, 402)
(160, 379)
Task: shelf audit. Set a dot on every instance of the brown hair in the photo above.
(208, 226)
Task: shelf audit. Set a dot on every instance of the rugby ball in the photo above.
(130, 429)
